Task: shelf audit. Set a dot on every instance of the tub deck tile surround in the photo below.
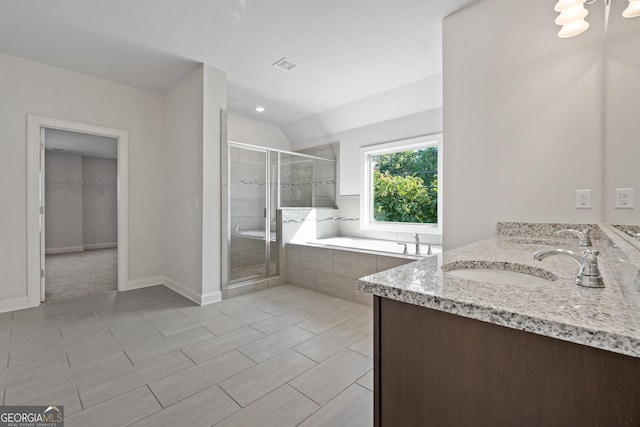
(303, 277)
(604, 318)
(354, 264)
(319, 259)
(335, 285)
(249, 360)
(334, 271)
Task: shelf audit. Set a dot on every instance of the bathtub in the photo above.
(375, 246)
(334, 265)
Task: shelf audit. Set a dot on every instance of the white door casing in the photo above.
(41, 197)
(35, 198)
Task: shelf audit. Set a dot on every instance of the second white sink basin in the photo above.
(502, 277)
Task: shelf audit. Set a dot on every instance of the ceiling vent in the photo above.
(286, 64)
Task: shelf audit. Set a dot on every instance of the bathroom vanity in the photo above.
(497, 351)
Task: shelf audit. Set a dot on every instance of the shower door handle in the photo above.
(265, 212)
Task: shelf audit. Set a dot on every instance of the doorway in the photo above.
(38, 126)
(80, 215)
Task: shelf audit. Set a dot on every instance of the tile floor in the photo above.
(285, 356)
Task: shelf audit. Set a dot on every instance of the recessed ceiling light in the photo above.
(286, 64)
(259, 109)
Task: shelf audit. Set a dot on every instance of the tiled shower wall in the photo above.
(326, 172)
(308, 182)
(247, 186)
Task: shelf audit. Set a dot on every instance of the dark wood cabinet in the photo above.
(438, 369)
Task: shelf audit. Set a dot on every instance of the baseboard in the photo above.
(211, 297)
(144, 283)
(70, 249)
(91, 246)
(14, 304)
(182, 290)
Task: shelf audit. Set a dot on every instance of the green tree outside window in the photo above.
(405, 186)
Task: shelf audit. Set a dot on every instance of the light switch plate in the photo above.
(624, 198)
(583, 199)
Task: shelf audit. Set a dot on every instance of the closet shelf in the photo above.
(78, 185)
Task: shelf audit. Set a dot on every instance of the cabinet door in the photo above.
(439, 369)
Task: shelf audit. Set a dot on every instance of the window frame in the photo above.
(366, 184)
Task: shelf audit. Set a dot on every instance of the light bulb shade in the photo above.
(573, 29)
(574, 14)
(633, 10)
(563, 5)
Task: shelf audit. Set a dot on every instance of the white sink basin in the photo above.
(502, 277)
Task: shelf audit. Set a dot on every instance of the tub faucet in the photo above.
(416, 238)
(588, 272)
(238, 226)
(584, 236)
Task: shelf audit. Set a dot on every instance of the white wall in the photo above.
(214, 101)
(63, 201)
(255, 132)
(80, 217)
(192, 184)
(28, 87)
(622, 93)
(99, 203)
(523, 119)
(407, 100)
(424, 123)
(183, 183)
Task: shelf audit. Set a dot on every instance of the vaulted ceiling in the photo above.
(347, 50)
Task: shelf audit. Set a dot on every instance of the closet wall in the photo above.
(80, 202)
(63, 202)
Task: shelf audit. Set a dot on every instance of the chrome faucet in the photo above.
(416, 238)
(238, 226)
(588, 273)
(584, 236)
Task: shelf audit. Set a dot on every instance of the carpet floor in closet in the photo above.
(80, 274)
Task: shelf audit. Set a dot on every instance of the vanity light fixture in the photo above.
(573, 13)
(260, 109)
(632, 10)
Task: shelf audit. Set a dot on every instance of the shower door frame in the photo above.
(267, 217)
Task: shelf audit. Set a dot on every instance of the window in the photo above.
(400, 190)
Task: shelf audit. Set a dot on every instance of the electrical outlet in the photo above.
(624, 198)
(583, 199)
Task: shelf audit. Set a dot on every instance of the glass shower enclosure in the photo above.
(262, 181)
(253, 249)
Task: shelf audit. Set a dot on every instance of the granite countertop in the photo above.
(606, 318)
